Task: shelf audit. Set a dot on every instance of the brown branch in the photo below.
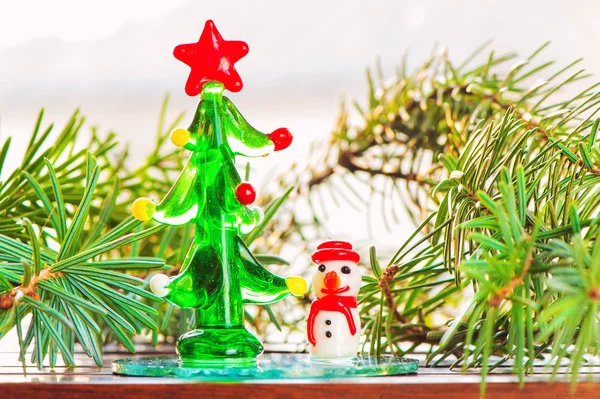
(503, 292)
(384, 283)
(594, 294)
(321, 177)
(346, 160)
(10, 298)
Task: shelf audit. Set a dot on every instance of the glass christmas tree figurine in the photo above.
(219, 274)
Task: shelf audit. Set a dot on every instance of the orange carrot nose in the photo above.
(332, 281)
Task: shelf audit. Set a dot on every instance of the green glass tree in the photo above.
(219, 274)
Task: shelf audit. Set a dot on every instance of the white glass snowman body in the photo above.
(336, 337)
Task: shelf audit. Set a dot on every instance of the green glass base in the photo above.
(269, 366)
(219, 345)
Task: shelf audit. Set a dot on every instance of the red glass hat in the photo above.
(335, 250)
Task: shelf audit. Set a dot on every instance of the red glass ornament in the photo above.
(281, 138)
(245, 193)
(211, 58)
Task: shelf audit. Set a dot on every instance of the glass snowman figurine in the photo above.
(333, 322)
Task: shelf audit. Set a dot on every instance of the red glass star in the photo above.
(211, 58)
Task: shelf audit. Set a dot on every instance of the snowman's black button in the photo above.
(328, 334)
(328, 322)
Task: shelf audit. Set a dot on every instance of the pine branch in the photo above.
(66, 290)
(503, 184)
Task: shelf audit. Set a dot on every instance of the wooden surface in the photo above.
(89, 381)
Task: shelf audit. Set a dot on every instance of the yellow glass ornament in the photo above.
(180, 137)
(143, 209)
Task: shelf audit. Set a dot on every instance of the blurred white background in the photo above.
(113, 58)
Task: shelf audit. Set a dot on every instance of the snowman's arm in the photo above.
(180, 205)
(310, 326)
(243, 138)
(349, 318)
(260, 286)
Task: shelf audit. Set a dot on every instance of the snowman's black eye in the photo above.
(346, 270)
(322, 268)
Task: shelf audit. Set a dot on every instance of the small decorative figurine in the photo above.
(219, 274)
(333, 322)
